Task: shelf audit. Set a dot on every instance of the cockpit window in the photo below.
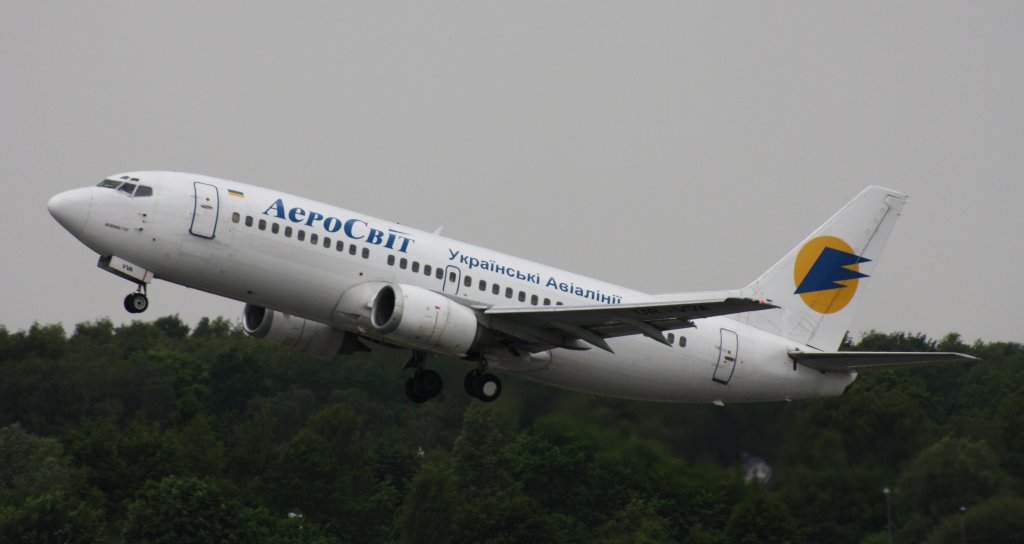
(127, 188)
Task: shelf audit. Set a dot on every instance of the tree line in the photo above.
(160, 432)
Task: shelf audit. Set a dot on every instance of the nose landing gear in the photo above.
(136, 302)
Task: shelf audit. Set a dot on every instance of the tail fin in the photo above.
(816, 285)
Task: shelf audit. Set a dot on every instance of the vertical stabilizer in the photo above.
(818, 284)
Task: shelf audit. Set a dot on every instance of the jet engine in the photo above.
(309, 337)
(416, 317)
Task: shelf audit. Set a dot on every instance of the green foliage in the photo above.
(183, 510)
(1000, 519)
(895, 341)
(172, 326)
(53, 517)
(832, 502)
(760, 518)
(152, 432)
(945, 476)
(32, 466)
(427, 514)
(215, 328)
(639, 523)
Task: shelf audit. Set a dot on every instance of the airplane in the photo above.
(327, 281)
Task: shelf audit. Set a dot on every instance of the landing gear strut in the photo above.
(137, 302)
(424, 384)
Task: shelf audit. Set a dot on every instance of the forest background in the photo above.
(159, 432)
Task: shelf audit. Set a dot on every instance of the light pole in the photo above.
(888, 512)
(963, 514)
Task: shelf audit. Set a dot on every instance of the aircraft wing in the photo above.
(873, 360)
(567, 326)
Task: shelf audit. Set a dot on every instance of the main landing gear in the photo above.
(137, 302)
(484, 386)
(426, 384)
(423, 385)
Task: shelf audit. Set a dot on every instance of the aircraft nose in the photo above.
(71, 209)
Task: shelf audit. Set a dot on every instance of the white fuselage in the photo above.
(250, 259)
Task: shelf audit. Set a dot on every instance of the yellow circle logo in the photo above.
(826, 274)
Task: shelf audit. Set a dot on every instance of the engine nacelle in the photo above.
(416, 317)
(309, 337)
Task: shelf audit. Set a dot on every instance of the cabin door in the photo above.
(728, 354)
(206, 211)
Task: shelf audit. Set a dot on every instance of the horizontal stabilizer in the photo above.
(873, 360)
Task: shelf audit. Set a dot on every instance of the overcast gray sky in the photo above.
(665, 146)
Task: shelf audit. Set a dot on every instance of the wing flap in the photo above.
(595, 323)
(840, 361)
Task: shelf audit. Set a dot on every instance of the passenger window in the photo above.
(340, 246)
(391, 260)
(522, 296)
(403, 263)
(451, 277)
(263, 224)
(235, 217)
(352, 249)
(508, 292)
(468, 281)
(671, 338)
(682, 341)
(415, 266)
(275, 228)
(287, 232)
(547, 302)
(314, 238)
(248, 220)
(301, 235)
(366, 253)
(533, 300)
(558, 304)
(426, 270)
(144, 190)
(483, 285)
(495, 288)
(439, 273)
(127, 188)
(327, 242)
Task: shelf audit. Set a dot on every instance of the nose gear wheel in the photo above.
(136, 303)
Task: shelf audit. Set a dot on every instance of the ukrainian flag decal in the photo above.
(826, 274)
(239, 194)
